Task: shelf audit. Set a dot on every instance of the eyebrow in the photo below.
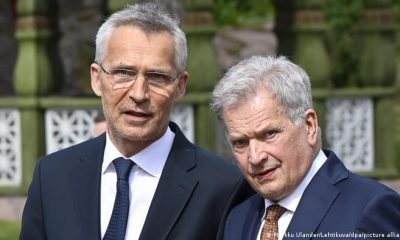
(130, 67)
(158, 70)
(123, 66)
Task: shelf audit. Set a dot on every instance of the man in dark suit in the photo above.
(142, 179)
(304, 192)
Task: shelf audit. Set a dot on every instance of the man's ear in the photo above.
(182, 82)
(311, 123)
(95, 79)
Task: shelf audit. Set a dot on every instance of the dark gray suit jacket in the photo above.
(194, 195)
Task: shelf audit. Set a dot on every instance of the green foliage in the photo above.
(242, 13)
(396, 10)
(9, 230)
(343, 18)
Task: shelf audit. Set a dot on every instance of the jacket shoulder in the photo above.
(90, 149)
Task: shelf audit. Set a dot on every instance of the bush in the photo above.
(9, 230)
(242, 13)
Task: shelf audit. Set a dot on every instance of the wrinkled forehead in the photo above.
(252, 107)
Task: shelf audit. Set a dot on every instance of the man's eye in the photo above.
(271, 133)
(123, 73)
(239, 143)
(158, 77)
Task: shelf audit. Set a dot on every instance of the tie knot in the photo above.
(275, 211)
(123, 168)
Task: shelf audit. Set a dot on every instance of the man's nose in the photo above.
(257, 151)
(139, 89)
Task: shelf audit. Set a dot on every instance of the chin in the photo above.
(140, 137)
(272, 194)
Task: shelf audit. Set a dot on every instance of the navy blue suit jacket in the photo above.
(194, 195)
(335, 202)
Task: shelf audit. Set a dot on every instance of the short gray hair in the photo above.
(288, 83)
(149, 18)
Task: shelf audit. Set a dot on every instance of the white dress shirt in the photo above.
(292, 201)
(143, 182)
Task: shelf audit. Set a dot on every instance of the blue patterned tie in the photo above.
(117, 226)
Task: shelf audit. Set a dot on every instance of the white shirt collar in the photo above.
(292, 201)
(151, 159)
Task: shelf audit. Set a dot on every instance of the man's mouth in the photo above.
(266, 174)
(138, 116)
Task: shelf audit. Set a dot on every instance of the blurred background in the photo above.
(350, 49)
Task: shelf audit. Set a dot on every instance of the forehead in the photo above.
(132, 33)
(254, 112)
(132, 39)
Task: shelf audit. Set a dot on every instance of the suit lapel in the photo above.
(312, 208)
(253, 221)
(85, 182)
(318, 197)
(173, 191)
